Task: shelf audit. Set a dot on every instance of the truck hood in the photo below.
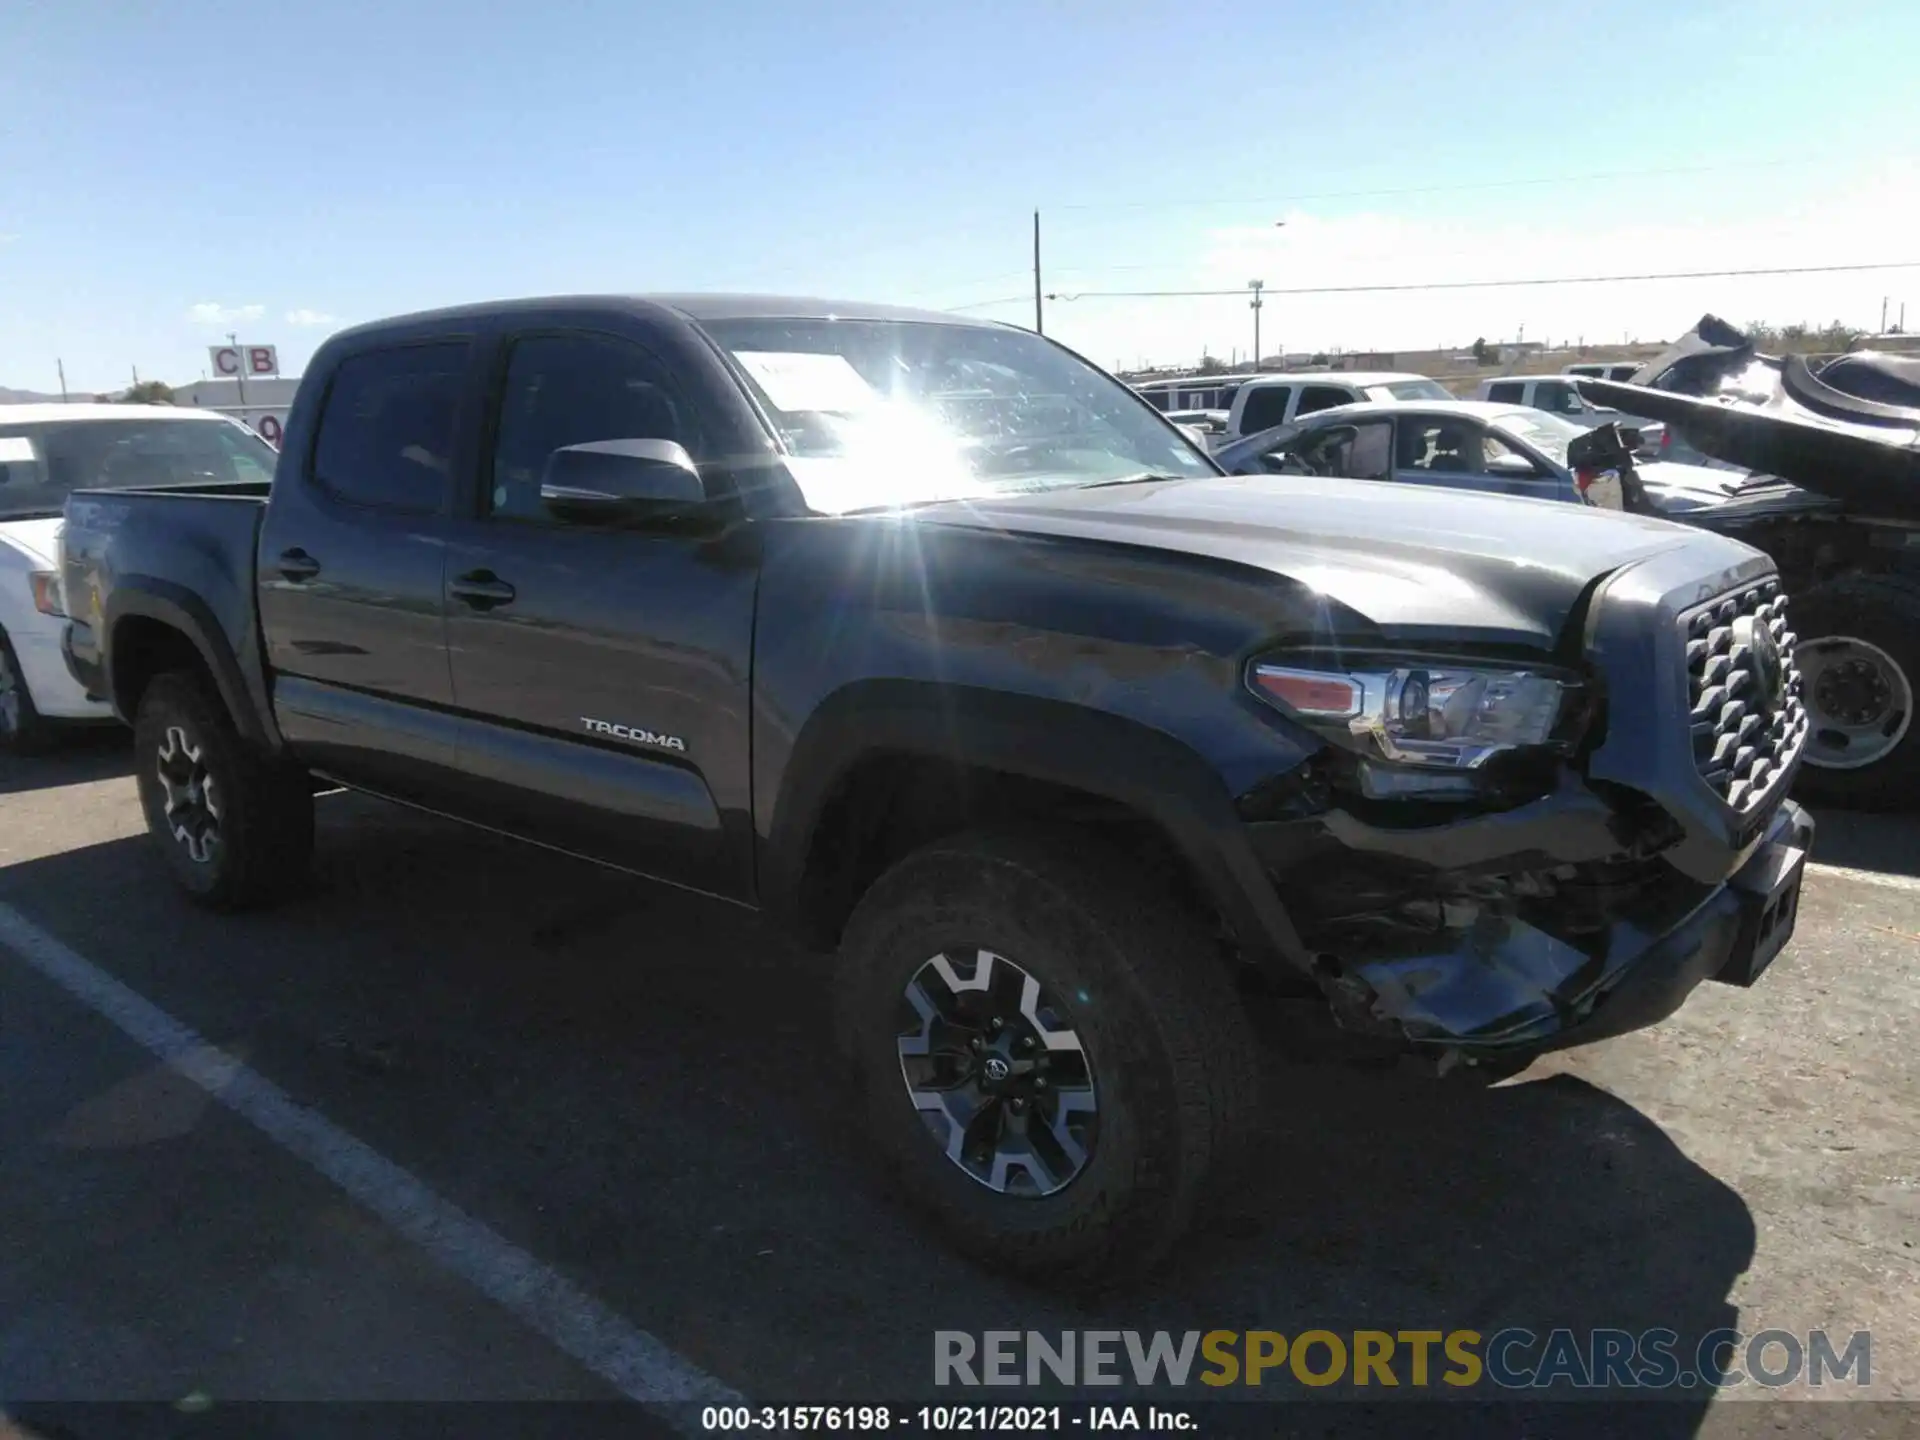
(33, 539)
(1690, 491)
(1418, 563)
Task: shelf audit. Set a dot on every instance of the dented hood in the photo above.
(1417, 562)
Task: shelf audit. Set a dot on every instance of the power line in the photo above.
(1470, 185)
(1003, 300)
(1477, 284)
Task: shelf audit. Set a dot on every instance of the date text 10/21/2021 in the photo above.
(945, 1419)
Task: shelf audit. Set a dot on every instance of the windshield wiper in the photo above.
(1144, 477)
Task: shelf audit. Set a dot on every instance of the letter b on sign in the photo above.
(263, 360)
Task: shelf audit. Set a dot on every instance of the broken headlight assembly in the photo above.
(1438, 716)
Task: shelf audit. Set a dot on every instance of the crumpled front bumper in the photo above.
(1500, 987)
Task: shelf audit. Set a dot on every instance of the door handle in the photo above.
(481, 589)
(297, 565)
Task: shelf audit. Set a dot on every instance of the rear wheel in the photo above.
(1048, 1052)
(234, 826)
(23, 730)
(1859, 661)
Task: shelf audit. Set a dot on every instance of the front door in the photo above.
(604, 672)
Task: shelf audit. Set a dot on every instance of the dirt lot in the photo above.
(597, 1150)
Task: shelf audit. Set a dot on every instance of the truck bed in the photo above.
(157, 551)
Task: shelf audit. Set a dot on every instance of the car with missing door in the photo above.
(944, 651)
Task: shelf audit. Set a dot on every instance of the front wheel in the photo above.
(1859, 661)
(23, 731)
(234, 826)
(1049, 1054)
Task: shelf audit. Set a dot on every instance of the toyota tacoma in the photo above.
(948, 653)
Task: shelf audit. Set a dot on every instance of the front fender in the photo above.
(1041, 739)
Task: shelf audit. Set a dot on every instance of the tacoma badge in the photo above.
(634, 733)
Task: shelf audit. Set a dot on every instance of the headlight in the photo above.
(47, 598)
(1448, 716)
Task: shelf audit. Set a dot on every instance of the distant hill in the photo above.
(30, 397)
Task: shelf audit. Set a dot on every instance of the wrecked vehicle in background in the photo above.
(1837, 450)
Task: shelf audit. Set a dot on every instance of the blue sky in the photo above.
(176, 171)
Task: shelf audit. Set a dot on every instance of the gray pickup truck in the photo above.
(949, 654)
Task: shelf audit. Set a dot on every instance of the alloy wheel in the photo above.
(998, 1074)
(192, 804)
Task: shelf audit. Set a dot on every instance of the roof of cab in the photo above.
(48, 412)
(695, 307)
(1334, 377)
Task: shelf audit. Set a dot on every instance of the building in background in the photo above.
(267, 403)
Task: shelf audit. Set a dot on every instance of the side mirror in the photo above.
(1512, 467)
(609, 480)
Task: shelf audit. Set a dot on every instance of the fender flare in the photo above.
(178, 608)
(1117, 759)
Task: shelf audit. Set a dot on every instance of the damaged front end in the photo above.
(1575, 887)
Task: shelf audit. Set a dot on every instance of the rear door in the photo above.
(350, 569)
(604, 670)
(1314, 398)
(1261, 408)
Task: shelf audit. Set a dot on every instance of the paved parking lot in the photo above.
(619, 1097)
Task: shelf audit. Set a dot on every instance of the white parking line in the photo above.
(1908, 883)
(634, 1362)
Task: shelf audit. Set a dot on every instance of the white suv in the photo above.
(46, 451)
(1264, 401)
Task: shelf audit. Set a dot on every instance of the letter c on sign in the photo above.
(227, 360)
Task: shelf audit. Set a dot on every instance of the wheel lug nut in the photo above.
(1019, 1107)
(1039, 1082)
(976, 1044)
(1026, 1042)
(997, 1023)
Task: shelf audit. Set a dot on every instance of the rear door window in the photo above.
(386, 433)
(1556, 397)
(1266, 407)
(1507, 392)
(1322, 397)
(1355, 452)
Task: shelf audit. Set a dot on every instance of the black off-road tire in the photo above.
(263, 835)
(1884, 612)
(1174, 1061)
(23, 729)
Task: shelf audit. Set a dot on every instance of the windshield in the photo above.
(883, 413)
(1549, 434)
(1409, 390)
(41, 463)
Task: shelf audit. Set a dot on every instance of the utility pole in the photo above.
(240, 368)
(61, 366)
(1256, 286)
(1039, 325)
(1883, 313)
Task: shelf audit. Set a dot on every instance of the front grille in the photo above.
(1748, 720)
